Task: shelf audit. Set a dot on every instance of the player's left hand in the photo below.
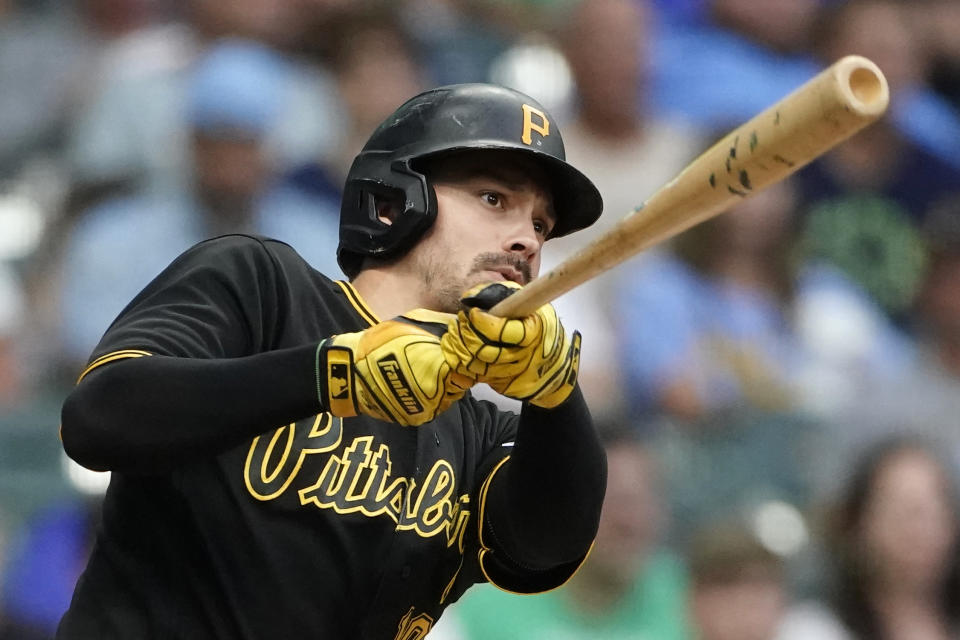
(396, 370)
(530, 358)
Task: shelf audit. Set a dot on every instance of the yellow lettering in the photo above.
(414, 627)
(394, 375)
(273, 462)
(433, 505)
(360, 480)
(543, 127)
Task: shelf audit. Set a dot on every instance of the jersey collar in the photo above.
(358, 302)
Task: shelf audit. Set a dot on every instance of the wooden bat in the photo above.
(829, 108)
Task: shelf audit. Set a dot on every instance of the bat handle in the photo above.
(526, 300)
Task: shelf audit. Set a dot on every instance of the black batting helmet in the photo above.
(446, 120)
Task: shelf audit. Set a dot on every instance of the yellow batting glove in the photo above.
(396, 371)
(530, 358)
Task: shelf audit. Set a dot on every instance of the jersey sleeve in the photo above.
(218, 299)
(496, 432)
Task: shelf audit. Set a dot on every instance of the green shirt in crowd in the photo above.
(654, 609)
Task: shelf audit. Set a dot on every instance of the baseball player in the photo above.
(295, 457)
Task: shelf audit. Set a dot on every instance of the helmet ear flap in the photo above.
(412, 206)
(378, 204)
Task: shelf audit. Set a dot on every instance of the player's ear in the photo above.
(387, 209)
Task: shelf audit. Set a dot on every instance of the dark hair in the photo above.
(702, 246)
(335, 36)
(727, 551)
(941, 226)
(466, 163)
(355, 26)
(832, 18)
(616, 430)
(850, 597)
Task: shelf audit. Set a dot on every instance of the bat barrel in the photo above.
(839, 101)
(868, 91)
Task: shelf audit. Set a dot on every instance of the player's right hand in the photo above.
(531, 358)
(396, 371)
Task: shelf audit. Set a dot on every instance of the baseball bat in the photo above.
(836, 103)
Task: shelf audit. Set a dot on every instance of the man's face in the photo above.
(492, 220)
(909, 527)
(748, 608)
(230, 170)
(632, 515)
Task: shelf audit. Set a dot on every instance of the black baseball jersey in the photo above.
(325, 527)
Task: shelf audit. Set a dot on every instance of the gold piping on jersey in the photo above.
(484, 549)
(483, 500)
(110, 357)
(453, 580)
(358, 303)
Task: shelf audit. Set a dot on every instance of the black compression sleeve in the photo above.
(157, 412)
(543, 505)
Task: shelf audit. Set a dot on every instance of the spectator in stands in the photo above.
(628, 151)
(715, 360)
(49, 556)
(42, 52)
(607, 44)
(738, 586)
(863, 207)
(939, 299)
(861, 255)
(12, 321)
(924, 399)
(864, 201)
(47, 546)
(628, 587)
(130, 130)
(50, 52)
(720, 62)
(235, 95)
(781, 25)
(375, 66)
(707, 322)
(881, 159)
(940, 20)
(3, 566)
(461, 39)
(892, 544)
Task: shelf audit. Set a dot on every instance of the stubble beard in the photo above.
(440, 287)
(445, 288)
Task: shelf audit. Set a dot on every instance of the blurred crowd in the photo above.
(778, 388)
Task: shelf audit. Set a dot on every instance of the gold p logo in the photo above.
(542, 127)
